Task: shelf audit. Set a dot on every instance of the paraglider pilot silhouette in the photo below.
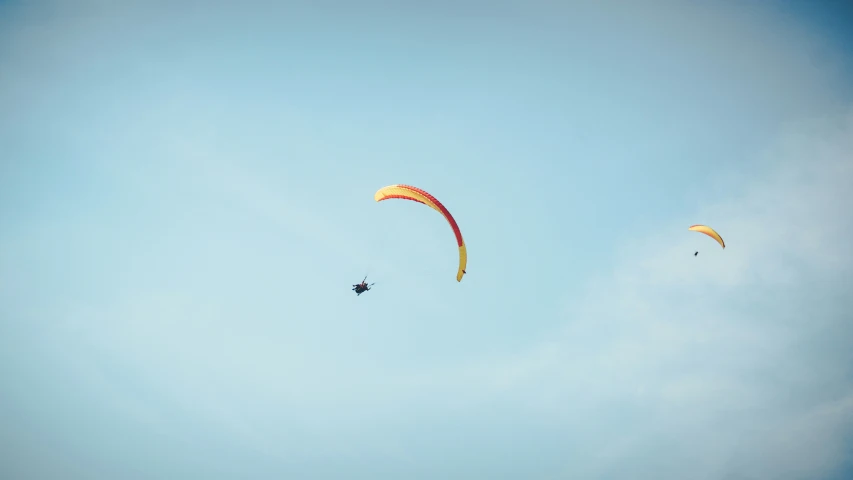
(362, 287)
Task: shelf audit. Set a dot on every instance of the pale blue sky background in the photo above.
(186, 196)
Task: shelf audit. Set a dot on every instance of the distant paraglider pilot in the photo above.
(362, 287)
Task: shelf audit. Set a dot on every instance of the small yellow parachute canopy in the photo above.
(407, 192)
(710, 232)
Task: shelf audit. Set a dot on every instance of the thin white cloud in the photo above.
(720, 357)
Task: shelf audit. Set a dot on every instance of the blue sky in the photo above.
(186, 196)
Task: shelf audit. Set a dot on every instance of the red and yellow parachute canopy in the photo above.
(710, 232)
(408, 192)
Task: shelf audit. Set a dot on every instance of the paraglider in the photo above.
(710, 232)
(362, 287)
(408, 192)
